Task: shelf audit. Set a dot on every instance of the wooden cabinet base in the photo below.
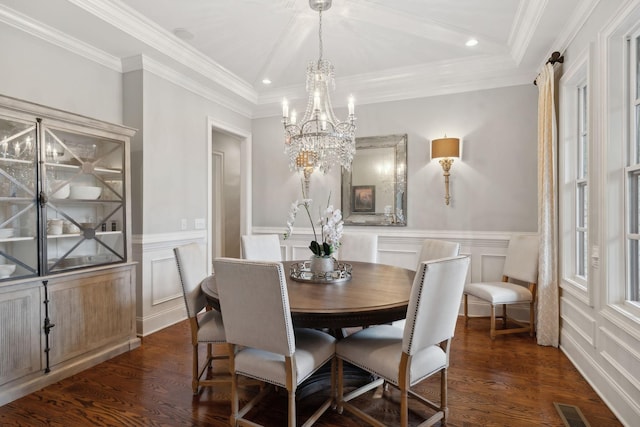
(92, 314)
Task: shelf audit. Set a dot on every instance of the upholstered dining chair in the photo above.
(261, 247)
(405, 357)
(358, 247)
(521, 264)
(206, 327)
(257, 321)
(433, 249)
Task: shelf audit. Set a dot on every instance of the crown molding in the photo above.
(571, 29)
(134, 24)
(524, 26)
(142, 62)
(51, 35)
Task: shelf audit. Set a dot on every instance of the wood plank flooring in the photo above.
(507, 382)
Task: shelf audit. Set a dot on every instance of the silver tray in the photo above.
(300, 272)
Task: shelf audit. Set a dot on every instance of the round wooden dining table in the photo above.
(376, 294)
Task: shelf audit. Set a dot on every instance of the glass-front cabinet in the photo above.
(19, 244)
(82, 200)
(62, 195)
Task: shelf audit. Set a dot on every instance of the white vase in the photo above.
(321, 264)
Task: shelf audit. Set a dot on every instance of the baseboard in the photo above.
(160, 320)
(38, 380)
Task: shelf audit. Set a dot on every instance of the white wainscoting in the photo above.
(159, 296)
(159, 300)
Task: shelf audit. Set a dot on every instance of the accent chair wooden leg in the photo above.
(492, 332)
(466, 310)
(504, 316)
(531, 319)
(209, 355)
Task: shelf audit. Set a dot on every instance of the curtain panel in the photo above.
(548, 311)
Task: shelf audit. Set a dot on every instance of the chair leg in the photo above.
(443, 396)
(209, 355)
(340, 391)
(194, 380)
(504, 316)
(531, 318)
(292, 408)
(234, 386)
(466, 310)
(404, 408)
(492, 332)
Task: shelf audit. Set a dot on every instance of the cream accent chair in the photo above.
(206, 328)
(405, 357)
(520, 264)
(433, 249)
(261, 247)
(257, 320)
(358, 247)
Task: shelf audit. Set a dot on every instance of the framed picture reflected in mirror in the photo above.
(364, 198)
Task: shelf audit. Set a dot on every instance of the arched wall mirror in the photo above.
(374, 191)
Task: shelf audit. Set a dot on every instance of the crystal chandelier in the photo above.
(319, 140)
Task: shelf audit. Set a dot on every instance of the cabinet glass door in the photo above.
(18, 207)
(84, 203)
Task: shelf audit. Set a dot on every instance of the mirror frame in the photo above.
(398, 216)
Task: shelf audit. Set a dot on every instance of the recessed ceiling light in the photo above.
(183, 33)
(266, 81)
(471, 42)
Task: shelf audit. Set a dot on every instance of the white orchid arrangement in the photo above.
(330, 224)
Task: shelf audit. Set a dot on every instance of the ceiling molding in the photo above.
(446, 77)
(524, 26)
(131, 22)
(51, 35)
(141, 62)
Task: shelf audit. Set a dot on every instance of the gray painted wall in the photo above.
(36, 71)
(493, 186)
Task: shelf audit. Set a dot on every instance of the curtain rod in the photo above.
(555, 57)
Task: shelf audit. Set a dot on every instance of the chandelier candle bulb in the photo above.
(351, 106)
(285, 108)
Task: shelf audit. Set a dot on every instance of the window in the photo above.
(633, 173)
(581, 208)
(574, 169)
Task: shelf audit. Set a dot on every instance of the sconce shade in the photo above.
(445, 147)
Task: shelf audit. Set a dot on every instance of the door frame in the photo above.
(244, 137)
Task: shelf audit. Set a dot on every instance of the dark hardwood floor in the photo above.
(507, 382)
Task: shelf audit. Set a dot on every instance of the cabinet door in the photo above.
(84, 209)
(20, 328)
(90, 311)
(18, 207)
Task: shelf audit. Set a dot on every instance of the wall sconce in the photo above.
(305, 162)
(445, 149)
